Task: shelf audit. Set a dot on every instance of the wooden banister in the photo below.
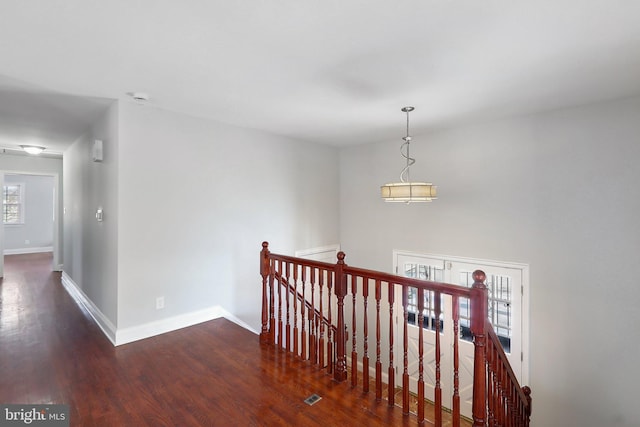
(508, 403)
(320, 334)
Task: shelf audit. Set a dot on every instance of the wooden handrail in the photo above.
(503, 357)
(445, 288)
(307, 304)
(508, 403)
(428, 285)
(497, 397)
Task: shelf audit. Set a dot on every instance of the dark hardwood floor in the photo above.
(212, 374)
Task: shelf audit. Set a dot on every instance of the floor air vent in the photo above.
(312, 399)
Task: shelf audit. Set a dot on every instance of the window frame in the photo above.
(21, 204)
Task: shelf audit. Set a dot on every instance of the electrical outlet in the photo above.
(159, 303)
(26, 242)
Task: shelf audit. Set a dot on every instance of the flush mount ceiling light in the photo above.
(407, 191)
(32, 149)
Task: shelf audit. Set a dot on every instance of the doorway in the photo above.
(30, 215)
(508, 311)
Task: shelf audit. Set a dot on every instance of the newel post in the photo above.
(479, 315)
(340, 373)
(527, 392)
(264, 272)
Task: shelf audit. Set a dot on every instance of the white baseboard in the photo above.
(162, 326)
(224, 313)
(21, 251)
(84, 302)
(150, 329)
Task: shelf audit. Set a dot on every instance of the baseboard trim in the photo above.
(84, 302)
(21, 251)
(227, 315)
(146, 330)
(169, 324)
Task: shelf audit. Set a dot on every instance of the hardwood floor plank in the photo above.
(212, 374)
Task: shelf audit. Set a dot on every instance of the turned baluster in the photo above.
(505, 395)
(392, 387)
(295, 308)
(354, 353)
(405, 350)
(456, 361)
(321, 274)
(511, 400)
(494, 397)
(438, 387)
(280, 303)
(312, 320)
(330, 333)
(500, 408)
(365, 353)
(420, 315)
(495, 389)
(303, 333)
(378, 362)
(287, 295)
(272, 304)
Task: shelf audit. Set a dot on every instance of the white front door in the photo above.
(426, 269)
(505, 282)
(505, 314)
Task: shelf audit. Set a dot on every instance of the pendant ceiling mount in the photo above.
(407, 191)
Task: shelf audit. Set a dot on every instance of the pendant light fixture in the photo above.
(406, 191)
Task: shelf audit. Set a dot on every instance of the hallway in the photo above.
(211, 374)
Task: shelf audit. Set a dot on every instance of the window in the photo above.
(13, 203)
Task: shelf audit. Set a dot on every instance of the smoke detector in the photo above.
(139, 97)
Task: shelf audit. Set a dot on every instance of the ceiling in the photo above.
(330, 71)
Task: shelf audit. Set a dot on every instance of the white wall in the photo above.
(557, 191)
(90, 247)
(196, 200)
(37, 229)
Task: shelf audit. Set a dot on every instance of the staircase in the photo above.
(319, 311)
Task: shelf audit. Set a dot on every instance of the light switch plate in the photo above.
(97, 150)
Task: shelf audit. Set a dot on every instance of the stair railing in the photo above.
(303, 312)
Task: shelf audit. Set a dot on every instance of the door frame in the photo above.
(56, 266)
(495, 263)
(323, 253)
